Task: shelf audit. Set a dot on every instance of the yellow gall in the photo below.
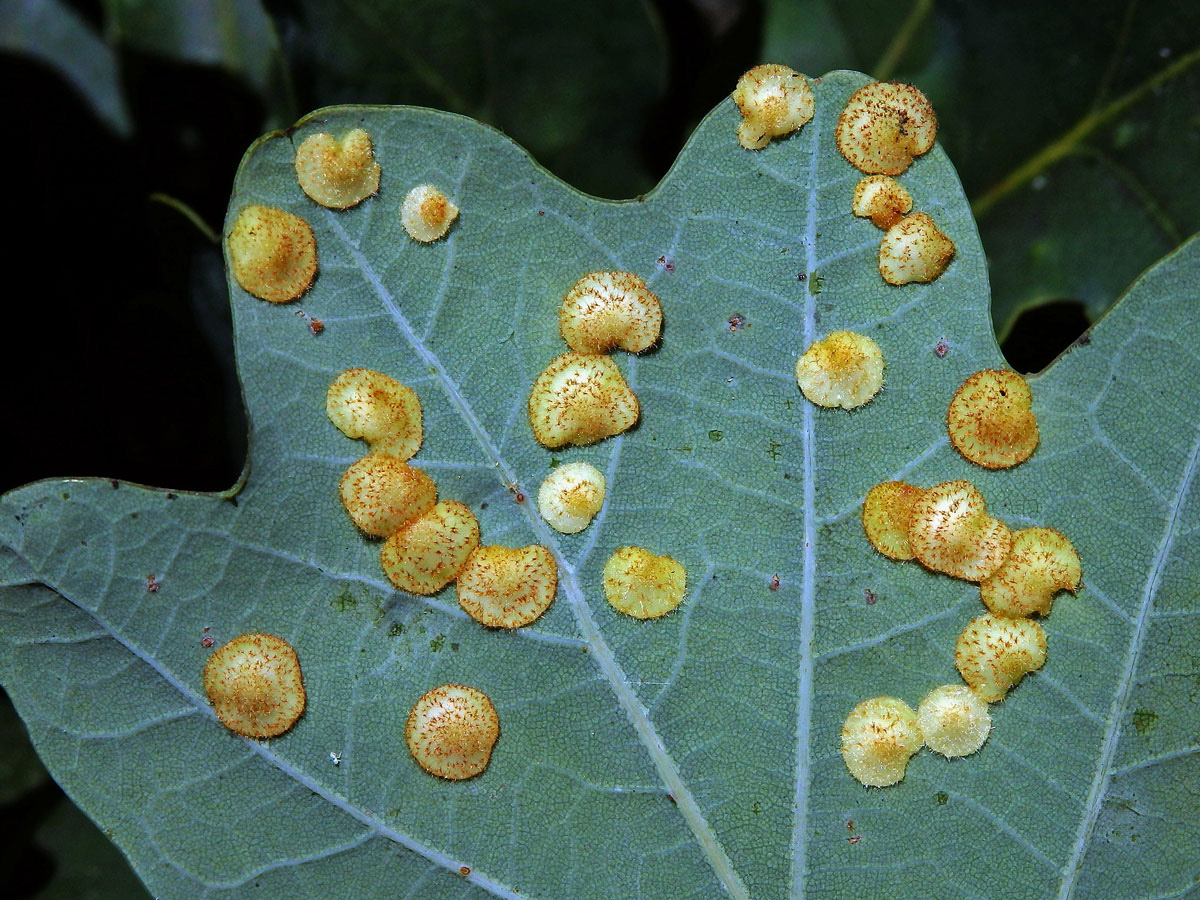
(994, 653)
(879, 737)
(606, 310)
(377, 408)
(845, 369)
(883, 126)
(642, 585)
(773, 100)
(570, 496)
(881, 199)
(914, 249)
(338, 173)
(272, 253)
(427, 554)
(381, 493)
(427, 213)
(451, 731)
(580, 398)
(951, 532)
(886, 516)
(255, 686)
(1042, 563)
(990, 420)
(503, 587)
(954, 720)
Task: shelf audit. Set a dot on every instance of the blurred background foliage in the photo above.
(1075, 127)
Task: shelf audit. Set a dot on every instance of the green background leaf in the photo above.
(732, 706)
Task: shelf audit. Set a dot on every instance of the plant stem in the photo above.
(1067, 142)
(883, 69)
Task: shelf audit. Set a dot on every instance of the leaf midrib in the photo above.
(568, 583)
(804, 686)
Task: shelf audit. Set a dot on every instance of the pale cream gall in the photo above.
(642, 585)
(379, 409)
(452, 730)
(337, 172)
(570, 496)
(580, 398)
(879, 737)
(607, 310)
(845, 369)
(951, 532)
(774, 101)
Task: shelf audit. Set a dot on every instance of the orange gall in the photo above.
(501, 587)
(883, 126)
(990, 420)
(881, 199)
(272, 253)
(426, 554)
(255, 686)
(382, 494)
(1042, 562)
(886, 516)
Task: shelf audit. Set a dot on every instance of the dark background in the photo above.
(119, 356)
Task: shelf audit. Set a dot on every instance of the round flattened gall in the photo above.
(951, 532)
(954, 720)
(426, 554)
(571, 496)
(427, 213)
(608, 310)
(377, 408)
(774, 101)
(990, 420)
(1042, 563)
(887, 515)
(914, 250)
(272, 253)
(843, 370)
(993, 653)
(255, 686)
(879, 737)
(337, 172)
(883, 126)
(640, 584)
(504, 587)
(580, 398)
(451, 731)
(882, 199)
(382, 494)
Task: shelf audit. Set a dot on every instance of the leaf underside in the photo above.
(692, 756)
